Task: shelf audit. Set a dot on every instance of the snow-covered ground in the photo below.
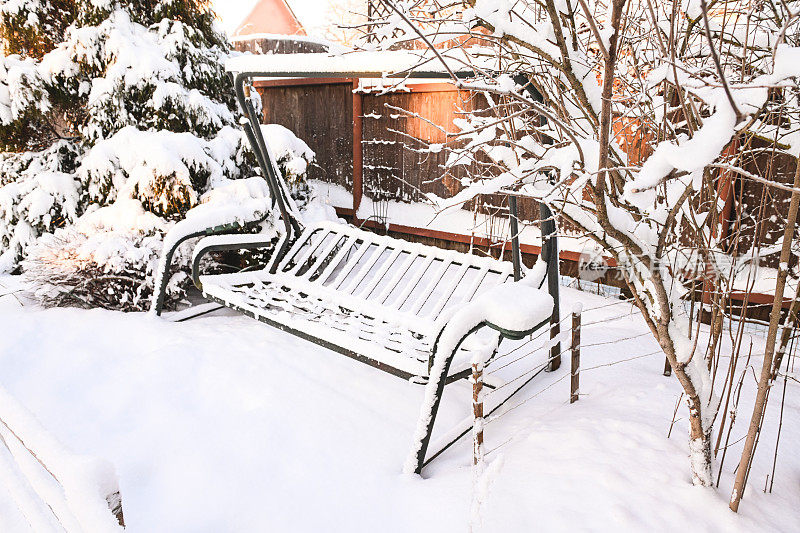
(224, 424)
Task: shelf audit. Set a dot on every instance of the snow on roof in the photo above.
(353, 64)
(333, 47)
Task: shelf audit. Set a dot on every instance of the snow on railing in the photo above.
(53, 488)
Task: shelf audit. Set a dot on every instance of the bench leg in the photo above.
(430, 405)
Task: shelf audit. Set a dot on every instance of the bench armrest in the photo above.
(225, 242)
(514, 310)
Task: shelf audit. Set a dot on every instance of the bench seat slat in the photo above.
(469, 293)
(447, 293)
(318, 258)
(360, 273)
(379, 275)
(307, 240)
(349, 241)
(401, 271)
(412, 283)
(350, 263)
(423, 295)
(296, 247)
(353, 331)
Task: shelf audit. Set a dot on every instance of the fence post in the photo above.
(575, 348)
(477, 409)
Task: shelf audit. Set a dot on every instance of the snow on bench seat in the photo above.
(376, 296)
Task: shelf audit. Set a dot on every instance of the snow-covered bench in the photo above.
(365, 295)
(416, 311)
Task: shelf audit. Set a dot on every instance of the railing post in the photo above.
(477, 409)
(575, 349)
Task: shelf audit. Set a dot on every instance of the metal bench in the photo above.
(371, 297)
(377, 299)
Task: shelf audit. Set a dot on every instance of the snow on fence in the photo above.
(487, 384)
(478, 394)
(53, 488)
(575, 349)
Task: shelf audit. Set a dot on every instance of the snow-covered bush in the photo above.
(293, 157)
(23, 99)
(163, 75)
(110, 257)
(292, 154)
(33, 27)
(35, 206)
(164, 170)
(106, 260)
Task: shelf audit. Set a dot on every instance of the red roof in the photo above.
(271, 16)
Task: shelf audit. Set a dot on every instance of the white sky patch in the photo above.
(232, 12)
(316, 16)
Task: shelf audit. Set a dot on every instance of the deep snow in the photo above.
(224, 424)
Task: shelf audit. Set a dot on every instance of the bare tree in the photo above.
(622, 116)
(768, 369)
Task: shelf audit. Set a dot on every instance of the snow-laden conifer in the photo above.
(119, 108)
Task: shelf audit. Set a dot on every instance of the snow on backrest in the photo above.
(397, 276)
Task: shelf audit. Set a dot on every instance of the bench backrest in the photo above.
(406, 281)
(389, 278)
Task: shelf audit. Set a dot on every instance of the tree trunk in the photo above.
(700, 454)
(765, 379)
(699, 447)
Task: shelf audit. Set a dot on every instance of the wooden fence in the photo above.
(366, 141)
(365, 144)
